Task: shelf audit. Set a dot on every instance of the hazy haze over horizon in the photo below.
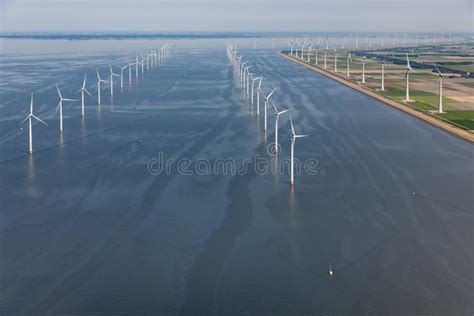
(237, 15)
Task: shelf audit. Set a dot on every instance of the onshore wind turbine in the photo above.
(335, 60)
(409, 69)
(267, 98)
(349, 60)
(363, 69)
(277, 118)
(293, 140)
(325, 53)
(83, 90)
(382, 88)
(30, 118)
(60, 108)
(440, 80)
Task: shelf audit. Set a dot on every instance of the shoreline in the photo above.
(451, 129)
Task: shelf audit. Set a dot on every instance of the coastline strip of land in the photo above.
(451, 129)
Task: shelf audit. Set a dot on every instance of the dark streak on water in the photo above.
(129, 224)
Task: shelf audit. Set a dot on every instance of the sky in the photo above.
(237, 15)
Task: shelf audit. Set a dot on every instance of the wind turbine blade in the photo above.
(57, 108)
(85, 90)
(299, 136)
(31, 104)
(26, 119)
(69, 100)
(281, 112)
(292, 128)
(40, 120)
(59, 92)
(84, 83)
(275, 108)
(439, 72)
(273, 91)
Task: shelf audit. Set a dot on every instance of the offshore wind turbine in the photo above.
(136, 66)
(242, 71)
(253, 86)
(407, 74)
(349, 60)
(440, 81)
(258, 95)
(83, 90)
(130, 71)
(111, 78)
(294, 136)
(246, 79)
(267, 98)
(122, 69)
(60, 108)
(99, 81)
(30, 118)
(151, 57)
(277, 119)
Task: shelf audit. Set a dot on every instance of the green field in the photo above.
(424, 101)
(427, 101)
(464, 118)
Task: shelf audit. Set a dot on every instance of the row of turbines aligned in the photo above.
(306, 51)
(382, 41)
(252, 86)
(143, 62)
